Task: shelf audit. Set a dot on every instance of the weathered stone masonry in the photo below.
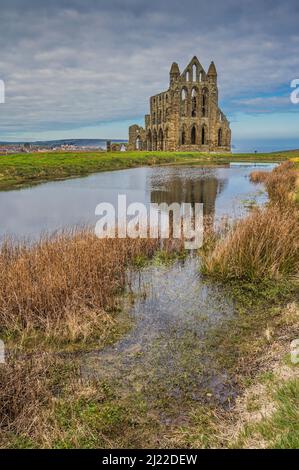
(186, 117)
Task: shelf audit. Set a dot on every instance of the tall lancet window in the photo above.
(184, 102)
(204, 102)
(194, 73)
(193, 135)
(219, 137)
(194, 103)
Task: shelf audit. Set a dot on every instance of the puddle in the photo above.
(164, 354)
(164, 358)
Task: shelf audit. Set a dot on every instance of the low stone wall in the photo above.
(202, 148)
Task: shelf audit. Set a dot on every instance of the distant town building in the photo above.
(108, 144)
(116, 147)
(186, 117)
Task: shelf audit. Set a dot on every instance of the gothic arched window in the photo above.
(138, 144)
(161, 140)
(219, 137)
(194, 102)
(204, 102)
(194, 73)
(155, 140)
(203, 135)
(193, 135)
(149, 141)
(184, 101)
(183, 136)
(160, 117)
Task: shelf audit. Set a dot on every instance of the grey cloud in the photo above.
(73, 63)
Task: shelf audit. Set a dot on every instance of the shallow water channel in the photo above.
(173, 310)
(164, 357)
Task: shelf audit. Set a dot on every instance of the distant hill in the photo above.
(293, 152)
(76, 142)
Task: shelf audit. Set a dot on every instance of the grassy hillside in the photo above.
(27, 169)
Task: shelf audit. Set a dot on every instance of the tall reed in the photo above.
(280, 183)
(264, 245)
(66, 286)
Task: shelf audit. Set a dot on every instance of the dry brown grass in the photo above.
(281, 186)
(65, 287)
(26, 386)
(264, 245)
(33, 393)
(280, 183)
(259, 176)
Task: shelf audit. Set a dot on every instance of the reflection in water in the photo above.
(174, 310)
(56, 205)
(178, 188)
(164, 356)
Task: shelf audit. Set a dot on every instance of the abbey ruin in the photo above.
(186, 117)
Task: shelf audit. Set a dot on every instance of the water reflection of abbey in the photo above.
(193, 189)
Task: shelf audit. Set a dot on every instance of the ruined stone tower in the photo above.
(186, 117)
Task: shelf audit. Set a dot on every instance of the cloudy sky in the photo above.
(85, 68)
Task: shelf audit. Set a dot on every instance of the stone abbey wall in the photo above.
(186, 117)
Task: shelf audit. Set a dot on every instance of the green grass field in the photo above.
(27, 169)
(71, 411)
